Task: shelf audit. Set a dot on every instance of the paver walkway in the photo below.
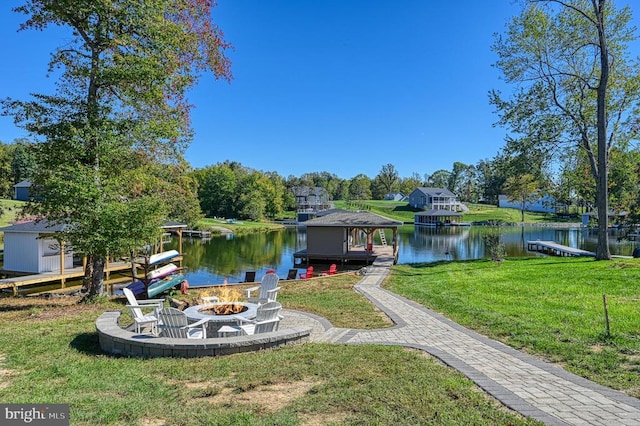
(523, 383)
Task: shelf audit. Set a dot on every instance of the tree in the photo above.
(577, 84)
(119, 112)
(523, 189)
(439, 179)
(387, 179)
(360, 187)
(407, 185)
(23, 163)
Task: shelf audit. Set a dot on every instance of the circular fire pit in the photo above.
(208, 310)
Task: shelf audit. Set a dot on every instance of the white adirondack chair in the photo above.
(267, 290)
(139, 317)
(174, 323)
(267, 319)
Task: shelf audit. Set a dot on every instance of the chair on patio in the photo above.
(174, 323)
(267, 320)
(268, 290)
(139, 317)
(249, 276)
(308, 274)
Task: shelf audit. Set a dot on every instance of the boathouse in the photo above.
(437, 218)
(336, 236)
(29, 247)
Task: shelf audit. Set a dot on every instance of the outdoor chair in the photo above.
(331, 271)
(139, 317)
(293, 274)
(174, 323)
(249, 276)
(308, 274)
(267, 320)
(268, 290)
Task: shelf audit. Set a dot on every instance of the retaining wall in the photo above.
(119, 341)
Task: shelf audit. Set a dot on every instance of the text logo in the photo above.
(34, 414)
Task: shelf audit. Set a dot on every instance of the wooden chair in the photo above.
(331, 271)
(139, 317)
(268, 290)
(293, 274)
(308, 274)
(267, 320)
(174, 323)
(249, 276)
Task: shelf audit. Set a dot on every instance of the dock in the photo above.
(553, 248)
(55, 277)
(196, 233)
(356, 254)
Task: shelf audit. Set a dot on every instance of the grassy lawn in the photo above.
(238, 227)
(49, 353)
(477, 212)
(551, 307)
(10, 210)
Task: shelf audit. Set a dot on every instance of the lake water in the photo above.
(221, 258)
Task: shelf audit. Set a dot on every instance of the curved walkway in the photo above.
(523, 383)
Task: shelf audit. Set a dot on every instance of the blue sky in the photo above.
(342, 86)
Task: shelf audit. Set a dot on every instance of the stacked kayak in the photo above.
(162, 278)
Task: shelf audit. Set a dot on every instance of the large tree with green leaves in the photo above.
(119, 114)
(577, 87)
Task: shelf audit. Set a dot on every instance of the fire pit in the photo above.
(220, 314)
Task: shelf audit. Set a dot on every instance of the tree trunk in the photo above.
(602, 249)
(93, 281)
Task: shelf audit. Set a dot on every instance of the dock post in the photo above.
(62, 280)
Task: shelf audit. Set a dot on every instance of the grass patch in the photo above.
(477, 212)
(237, 227)
(49, 354)
(330, 297)
(551, 307)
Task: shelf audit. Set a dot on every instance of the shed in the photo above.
(334, 236)
(22, 191)
(29, 247)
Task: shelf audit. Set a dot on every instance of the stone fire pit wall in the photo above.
(119, 341)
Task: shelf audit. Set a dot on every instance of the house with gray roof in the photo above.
(434, 199)
(439, 205)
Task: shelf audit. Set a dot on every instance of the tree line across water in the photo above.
(229, 189)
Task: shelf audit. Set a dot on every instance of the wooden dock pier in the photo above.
(197, 233)
(550, 247)
(55, 277)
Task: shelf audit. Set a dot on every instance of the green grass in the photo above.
(238, 227)
(552, 307)
(10, 211)
(477, 212)
(49, 353)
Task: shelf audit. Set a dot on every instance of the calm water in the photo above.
(213, 261)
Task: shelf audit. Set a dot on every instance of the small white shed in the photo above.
(30, 247)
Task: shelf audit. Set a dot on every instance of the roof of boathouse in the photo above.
(352, 219)
(35, 226)
(438, 213)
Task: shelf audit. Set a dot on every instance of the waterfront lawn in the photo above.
(49, 353)
(477, 212)
(551, 307)
(331, 298)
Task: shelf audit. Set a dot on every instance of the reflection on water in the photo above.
(213, 261)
